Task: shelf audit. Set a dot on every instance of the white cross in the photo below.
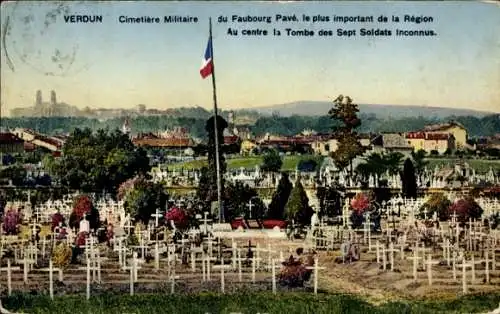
(415, 259)
(51, 270)
(250, 205)
(429, 264)
(128, 226)
(205, 220)
(156, 215)
(9, 270)
(316, 268)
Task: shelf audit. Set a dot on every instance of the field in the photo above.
(480, 165)
(289, 163)
(263, 302)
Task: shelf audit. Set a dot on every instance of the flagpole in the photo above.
(217, 159)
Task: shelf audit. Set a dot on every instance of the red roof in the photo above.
(438, 136)
(415, 135)
(230, 139)
(163, 142)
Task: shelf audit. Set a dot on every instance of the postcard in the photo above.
(249, 156)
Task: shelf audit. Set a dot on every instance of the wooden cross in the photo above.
(429, 264)
(269, 255)
(27, 265)
(9, 270)
(129, 226)
(133, 267)
(172, 278)
(222, 267)
(274, 275)
(316, 269)
(415, 259)
(391, 250)
(487, 266)
(157, 215)
(367, 231)
(464, 265)
(51, 270)
(446, 250)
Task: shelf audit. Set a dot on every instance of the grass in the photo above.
(289, 163)
(263, 302)
(480, 165)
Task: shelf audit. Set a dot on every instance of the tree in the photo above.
(409, 180)
(330, 200)
(419, 160)
(307, 165)
(377, 164)
(465, 209)
(276, 208)
(83, 207)
(345, 111)
(272, 161)
(15, 173)
(144, 198)
(438, 203)
(99, 161)
(207, 189)
(237, 199)
(297, 208)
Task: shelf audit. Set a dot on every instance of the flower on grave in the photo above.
(84, 208)
(294, 273)
(437, 204)
(80, 238)
(360, 203)
(61, 255)
(56, 219)
(465, 209)
(178, 216)
(126, 187)
(11, 222)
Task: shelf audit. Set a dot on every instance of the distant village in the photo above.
(178, 142)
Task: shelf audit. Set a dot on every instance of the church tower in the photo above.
(38, 98)
(53, 100)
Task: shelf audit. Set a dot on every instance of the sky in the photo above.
(118, 65)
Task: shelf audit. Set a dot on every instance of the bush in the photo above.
(307, 165)
(360, 203)
(465, 209)
(178, 216)
(494, 220)
(439, 204)
(143, 199)
(61, 256)
(84, 208)
(80, 238)
(293, 273)
(272, 161)
(11, 222)
(56, 219)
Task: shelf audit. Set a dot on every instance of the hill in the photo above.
(319, 108)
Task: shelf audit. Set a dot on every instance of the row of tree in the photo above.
(477, 127)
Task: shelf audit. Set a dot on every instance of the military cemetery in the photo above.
(332, 168)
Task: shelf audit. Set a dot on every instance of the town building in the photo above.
(52, 143)
(458, 131)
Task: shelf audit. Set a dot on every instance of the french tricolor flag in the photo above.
(207, 65)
